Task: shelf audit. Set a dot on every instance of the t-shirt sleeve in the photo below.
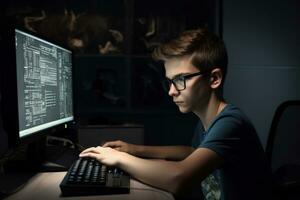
(225, 136)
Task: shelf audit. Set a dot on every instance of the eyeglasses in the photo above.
(180, 81)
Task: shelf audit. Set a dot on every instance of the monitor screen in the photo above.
(44, 83)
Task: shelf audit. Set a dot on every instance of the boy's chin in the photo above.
(183, 110)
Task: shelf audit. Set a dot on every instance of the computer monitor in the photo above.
(44, 84)
(38, 82)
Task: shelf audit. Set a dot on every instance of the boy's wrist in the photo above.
(121, 158)
(136, 150)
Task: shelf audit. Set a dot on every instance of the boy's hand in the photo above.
(107, 155)
(120, 146)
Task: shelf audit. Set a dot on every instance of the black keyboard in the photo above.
(87, 176)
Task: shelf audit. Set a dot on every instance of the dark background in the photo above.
(121, 86)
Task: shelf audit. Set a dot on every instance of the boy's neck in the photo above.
(210, 111)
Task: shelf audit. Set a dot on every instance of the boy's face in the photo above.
(196, 94)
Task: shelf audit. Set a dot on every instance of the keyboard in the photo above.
(87, 176)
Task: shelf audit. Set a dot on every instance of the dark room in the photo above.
(133, 99)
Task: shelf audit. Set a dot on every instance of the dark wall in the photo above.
(263, 42)
(163, 123)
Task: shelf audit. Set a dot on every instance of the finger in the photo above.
(118, 148)
(88, 149)
(112, 144)
(91, 149)
(87, 154)
(90, 155)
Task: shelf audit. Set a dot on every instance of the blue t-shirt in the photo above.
(245, 173)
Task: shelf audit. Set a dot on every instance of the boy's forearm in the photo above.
(158, 173)
(163, 152)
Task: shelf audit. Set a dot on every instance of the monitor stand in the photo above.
(59, 157)
(40, 156)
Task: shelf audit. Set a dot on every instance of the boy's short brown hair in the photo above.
(208, 51)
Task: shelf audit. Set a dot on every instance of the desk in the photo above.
(45, 186)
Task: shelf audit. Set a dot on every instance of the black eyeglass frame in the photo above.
(167, 82)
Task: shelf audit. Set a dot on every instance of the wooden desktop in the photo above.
(44, 186)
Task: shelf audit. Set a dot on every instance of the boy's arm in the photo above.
(164, 152)
(174, 176)
(157, 152)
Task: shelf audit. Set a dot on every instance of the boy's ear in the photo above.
(216, 78)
